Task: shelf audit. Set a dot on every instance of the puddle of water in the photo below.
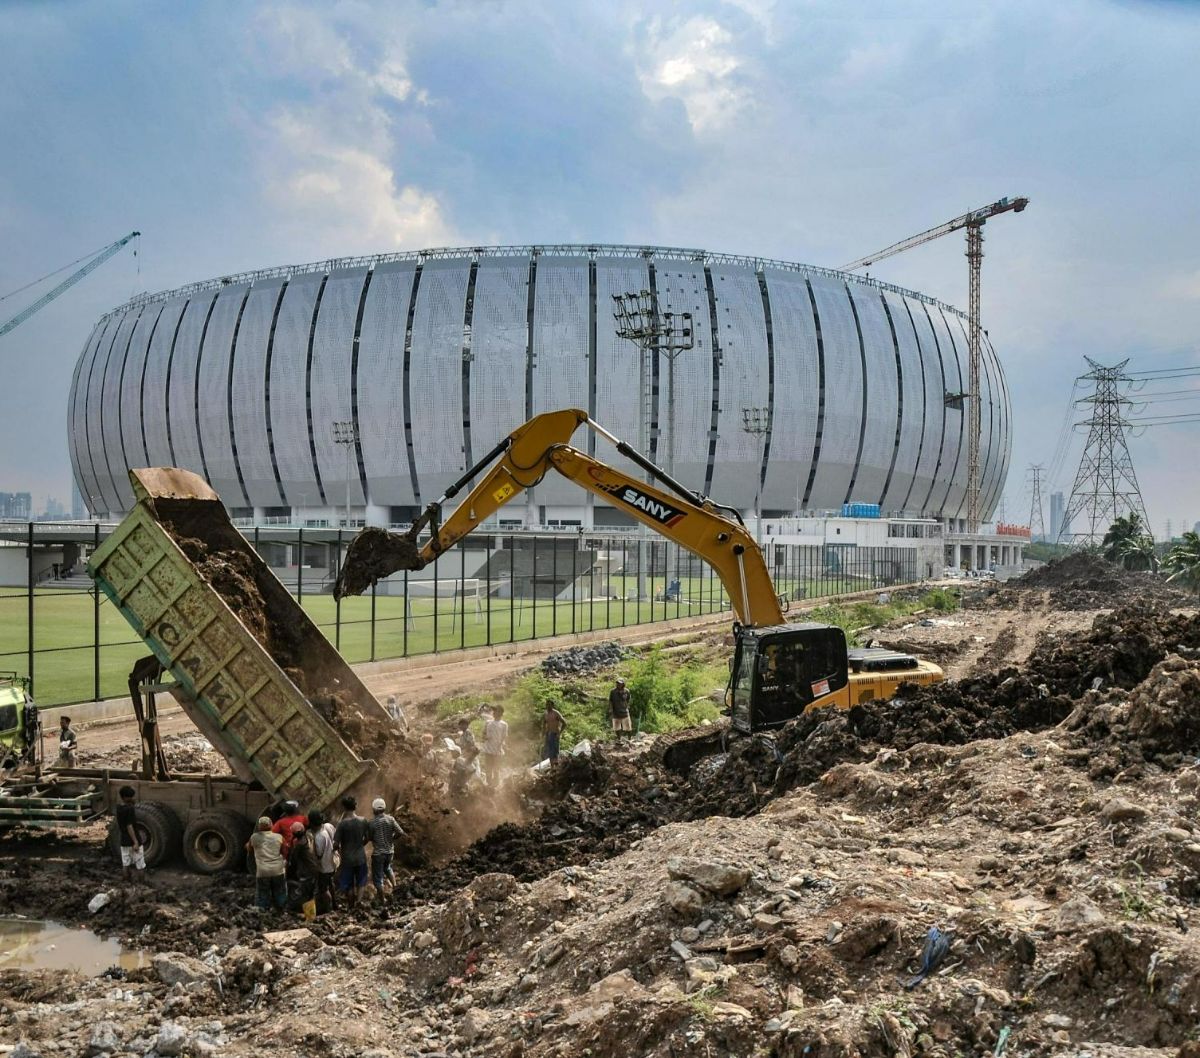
(39, 944)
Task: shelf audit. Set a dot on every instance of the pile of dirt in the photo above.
(1083, 580)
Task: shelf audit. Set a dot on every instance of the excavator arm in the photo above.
(519, 462)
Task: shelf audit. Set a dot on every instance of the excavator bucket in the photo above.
(373, 555)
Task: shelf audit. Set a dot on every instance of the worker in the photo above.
(462, 771)
(384, 832)
(321, 831)
(283, 825)
(466, 739)
(133, 855)
(396, 712)
(68, 743)
(495, 738)
(350, 840)
(303, 860)
(618, 709)
(270, 882)
(553, 723)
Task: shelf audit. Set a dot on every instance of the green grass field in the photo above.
(66, 624)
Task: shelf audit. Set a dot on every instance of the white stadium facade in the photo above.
(438, 354)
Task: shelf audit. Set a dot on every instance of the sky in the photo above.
(245, 135)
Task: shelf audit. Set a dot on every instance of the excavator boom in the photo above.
(714, 533)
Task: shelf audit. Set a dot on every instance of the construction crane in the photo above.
(94, 263)
(973, 222)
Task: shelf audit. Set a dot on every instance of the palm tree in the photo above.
(1138, 553)
(1183, 561)
(1122, 542)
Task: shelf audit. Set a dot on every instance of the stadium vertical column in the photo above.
(766, 454)
(887, 484)
(358, 431)
(816, 456)
(468, 323)
(408, 430)
(715, 408)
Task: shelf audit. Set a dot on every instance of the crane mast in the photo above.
(67, 283)
(973, 222)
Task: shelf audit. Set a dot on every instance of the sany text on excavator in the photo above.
(779, 670)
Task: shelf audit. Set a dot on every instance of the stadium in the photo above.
(436, 355)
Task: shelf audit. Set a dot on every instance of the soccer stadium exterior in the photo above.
(436, 355)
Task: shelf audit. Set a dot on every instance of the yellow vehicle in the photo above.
(20, 725)
(779, 669)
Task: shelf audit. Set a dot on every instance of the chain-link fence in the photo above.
(492, 589)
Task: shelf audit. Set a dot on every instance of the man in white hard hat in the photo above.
(384, 832)
(618, 709)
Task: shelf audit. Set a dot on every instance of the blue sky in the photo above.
(237, 136)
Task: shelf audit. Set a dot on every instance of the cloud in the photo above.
(330, 157)
(1185, 287)
(693, 61)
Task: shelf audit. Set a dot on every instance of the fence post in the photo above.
(373, 587)
(32, 582)
(554, 587)
(462, 596)
(533, 590)
(512, 587)
(96, 621)
(406, 613)
(337, 603)
(574, 552)
(624, 582)
(436, 589)
(488, 567)
(300, 566)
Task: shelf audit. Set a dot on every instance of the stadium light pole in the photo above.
(639, 320)
(345, 433)
(756, 422)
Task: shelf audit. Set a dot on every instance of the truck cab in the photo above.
(20, 727)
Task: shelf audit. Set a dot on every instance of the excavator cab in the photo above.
(780, 671)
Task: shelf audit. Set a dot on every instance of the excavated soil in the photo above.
(1083, 580)
(372, 555)
(773, 898)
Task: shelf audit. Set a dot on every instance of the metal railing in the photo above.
(497, 589)
(585, 251)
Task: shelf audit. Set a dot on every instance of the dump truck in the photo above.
(779, 669)
(251, 670)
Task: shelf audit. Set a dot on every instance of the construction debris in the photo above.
(999, 865)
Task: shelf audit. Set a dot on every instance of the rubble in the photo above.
(584, 660)
(1025, 836)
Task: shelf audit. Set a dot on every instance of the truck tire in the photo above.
(213, 841)
(160, 830)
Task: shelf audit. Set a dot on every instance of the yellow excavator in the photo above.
(779, 670)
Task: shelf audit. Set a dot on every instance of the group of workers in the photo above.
(326, 862)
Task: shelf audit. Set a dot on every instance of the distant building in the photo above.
(16, 505)
(1058, 508)
(54, 509)
(78, 511)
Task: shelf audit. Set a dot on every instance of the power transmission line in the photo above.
(1106, 486)
(1037, 525)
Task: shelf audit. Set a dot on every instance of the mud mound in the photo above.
(1084, 580)
(1164, 711)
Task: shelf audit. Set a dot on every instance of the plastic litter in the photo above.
(937, 945)
(98, 901)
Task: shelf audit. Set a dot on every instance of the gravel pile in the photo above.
(583, 661)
